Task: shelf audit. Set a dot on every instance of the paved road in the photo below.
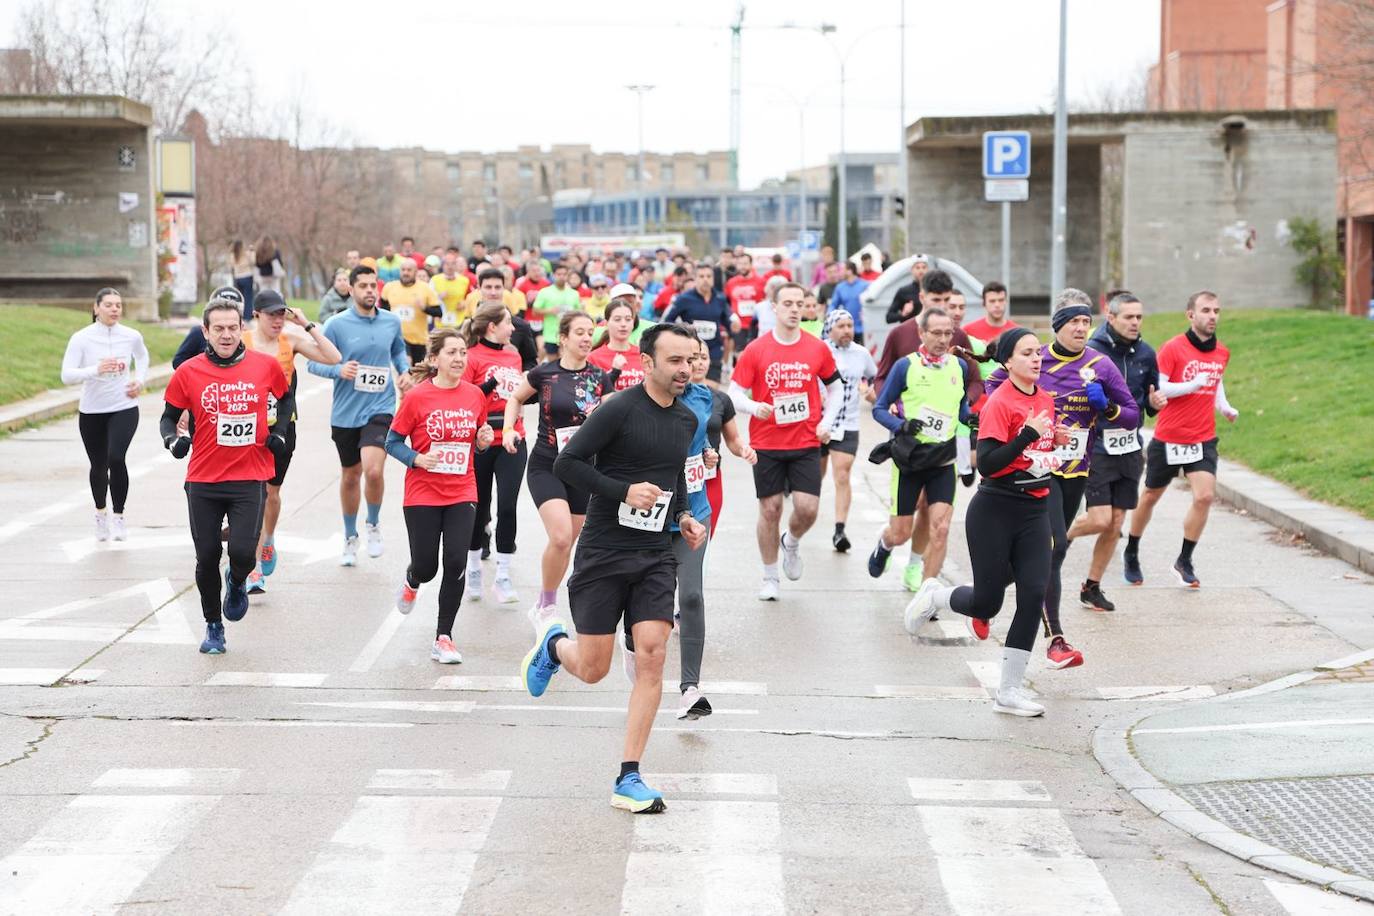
(325, 764)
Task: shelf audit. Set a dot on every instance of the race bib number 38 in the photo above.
(371, 379)
(651, 519)
(453, 457)
(934, 424)
(236, 430)
(790, 408)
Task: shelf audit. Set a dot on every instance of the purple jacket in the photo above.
(1064, 378)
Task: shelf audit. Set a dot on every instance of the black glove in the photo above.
(913, 426)
(277, 445)
(972, 423)
(179, 446)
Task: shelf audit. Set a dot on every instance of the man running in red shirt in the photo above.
(786, 428)
(745, 292)
(1189, 397)
(995, 319)
(227, 389)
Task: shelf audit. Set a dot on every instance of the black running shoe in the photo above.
(1094, 599)
(840, 541)
(877, 560)
(1184, 570)
(967, 479)
(1130, 569)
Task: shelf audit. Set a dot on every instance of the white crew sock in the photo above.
(770, 571)
(941, 597)
(795, 542)
(961, 455)
(1014, 663)
(503, 565)
(474, 561)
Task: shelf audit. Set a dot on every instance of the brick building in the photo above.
(1220, 55)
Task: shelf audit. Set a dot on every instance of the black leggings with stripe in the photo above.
(427, 527)
(106, 437)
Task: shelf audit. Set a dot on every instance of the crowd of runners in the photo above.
(637, 370)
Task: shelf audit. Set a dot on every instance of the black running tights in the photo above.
(427, 526)
(106, 437)
(509, 471)
(1008, 541)
(239, 501)
(1066, 493)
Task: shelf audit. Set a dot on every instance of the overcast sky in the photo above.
(491, 76)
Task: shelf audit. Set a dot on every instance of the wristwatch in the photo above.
(309, 326)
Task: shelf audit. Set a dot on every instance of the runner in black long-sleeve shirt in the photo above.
(624, 564)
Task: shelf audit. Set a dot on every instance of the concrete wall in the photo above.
(62, 235)
(948, 217)
(1199, 217)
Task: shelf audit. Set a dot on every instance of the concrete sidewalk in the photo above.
(60, 402)
(1281, 775)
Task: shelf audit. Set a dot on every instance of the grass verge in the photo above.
(1303, 382)
(35, 337)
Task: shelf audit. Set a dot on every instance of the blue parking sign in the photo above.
(1006, 154)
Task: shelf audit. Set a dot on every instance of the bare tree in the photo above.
(132, 48)
(1126, 93)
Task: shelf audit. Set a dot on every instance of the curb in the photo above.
(58, 402)
(1112, 748)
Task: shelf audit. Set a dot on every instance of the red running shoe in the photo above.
(1063, 655)
(978, 627)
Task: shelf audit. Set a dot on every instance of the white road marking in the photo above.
(264, 679)
(1301, 900)
(81, 548)
(714, 783)
(211, 778)
(42, 677)
(454, 706)
(378, 643)
(436, 780)
(1182, 692)
(727, 688)
(96, 852)
(286, 723)
(930, 692)
(1039, 866)
(479, 683)
(989, 674)
(1252, 726)
(617, 710)
(953, 629)
(992, 790)
(398, 854)
(722, 856)
(37, 516)
(168, 626)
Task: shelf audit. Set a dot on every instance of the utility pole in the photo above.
(639, 89)
(1059, 213)
(901, 111)
(735, 35)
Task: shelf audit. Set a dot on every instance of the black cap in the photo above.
(269, 302)
(228, 292)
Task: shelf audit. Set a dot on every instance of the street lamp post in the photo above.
(1058, 216)
(639, 89)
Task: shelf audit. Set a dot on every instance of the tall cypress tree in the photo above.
(831, 235)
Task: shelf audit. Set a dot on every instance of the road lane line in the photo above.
(1251, 726)
(1179, 692)
(1301, 900)
(992, 790)
(989, 674)
(479, 683)
(92, 855)
(437, 780)
(398, 854)
(454, 706)
(722, 856)
(378, 643)
(617, 710)
(714, 783)
(929, 692)
(42, 677)
(1038, 866)
(178, 778)
(264, 679)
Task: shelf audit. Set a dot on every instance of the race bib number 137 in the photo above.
(650, 519)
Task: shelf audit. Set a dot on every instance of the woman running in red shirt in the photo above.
(613, 348)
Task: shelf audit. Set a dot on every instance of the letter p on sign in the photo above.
(1006, 154)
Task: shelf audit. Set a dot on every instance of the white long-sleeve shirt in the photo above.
(105, 392)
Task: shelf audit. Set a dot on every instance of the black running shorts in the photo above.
(607, 585)
(796, 470)
(349, 441)
(1158, 470)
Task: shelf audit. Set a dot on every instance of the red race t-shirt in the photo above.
(529, 289)
(986, 332)
(442, 421)
(1004, 416)
(786, 376)
(744, 293)
(631, 374)
(486, 362)
(1192, 418)
(229, 405)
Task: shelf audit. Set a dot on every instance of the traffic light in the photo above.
(898, 206)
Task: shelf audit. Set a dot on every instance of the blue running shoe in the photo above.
(877, 560)
(214, 639)
(632, 795)
(257, 584)
(269, 559)
(1130, 569)
(538, 668)
(235, 599)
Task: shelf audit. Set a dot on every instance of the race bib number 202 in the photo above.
(236, 430)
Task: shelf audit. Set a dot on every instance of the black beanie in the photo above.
(1006, 343)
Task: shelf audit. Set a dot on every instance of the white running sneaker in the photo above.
(445, 652)
(627, 661)
(473, 589)
(102, 526)
(1015, 702)
(117, 530)
(350, 552)
(405, 597)
(374, 541)
(504, 590)
(768, 591)
(539, 616)
(921, 607)
(791, 560)
(693, 705)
